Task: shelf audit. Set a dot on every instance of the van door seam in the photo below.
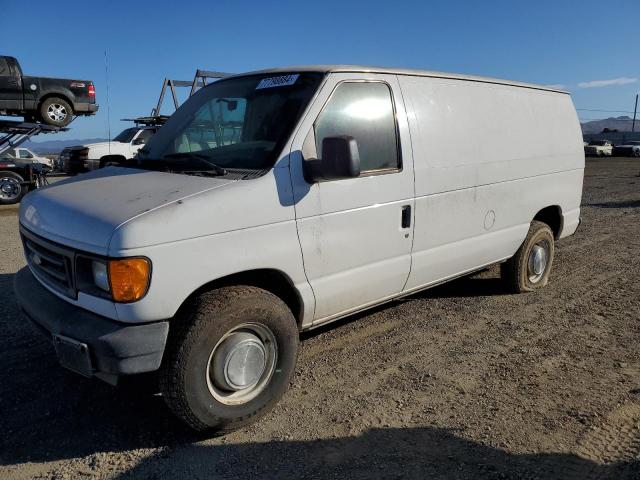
(413, 172)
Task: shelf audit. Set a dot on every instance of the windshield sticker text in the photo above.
(280, 81)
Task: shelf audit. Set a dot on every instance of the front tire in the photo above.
(529, 268)
(230, 358)
(56, 111)
(12, 188)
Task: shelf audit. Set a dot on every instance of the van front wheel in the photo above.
(230, 358)
(529, 268)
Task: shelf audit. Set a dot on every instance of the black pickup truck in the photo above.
(17, 177)
(51, 100)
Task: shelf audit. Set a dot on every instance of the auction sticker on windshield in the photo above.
(280, 81)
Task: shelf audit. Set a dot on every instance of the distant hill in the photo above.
(56, 146)
(622, 124)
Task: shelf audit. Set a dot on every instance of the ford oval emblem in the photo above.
(36, 259)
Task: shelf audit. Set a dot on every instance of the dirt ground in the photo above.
(461, 381)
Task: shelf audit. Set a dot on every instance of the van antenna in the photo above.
(106, 75)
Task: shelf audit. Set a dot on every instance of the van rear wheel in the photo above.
(529, 268)
(230, 358)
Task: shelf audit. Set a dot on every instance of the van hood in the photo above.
(84, 211)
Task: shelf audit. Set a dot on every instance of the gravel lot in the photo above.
(461, 381)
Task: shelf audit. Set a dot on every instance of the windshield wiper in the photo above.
(197, 156)
(197, 173)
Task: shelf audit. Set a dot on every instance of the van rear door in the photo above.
(356, 233)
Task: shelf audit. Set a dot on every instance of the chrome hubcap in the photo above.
(242, 363)
(239, 361)
(9, 188)
(57, 112)
(537, 264)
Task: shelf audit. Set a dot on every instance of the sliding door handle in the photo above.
(406, 216)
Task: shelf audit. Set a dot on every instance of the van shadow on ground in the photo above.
(623, 204)
(408, 453)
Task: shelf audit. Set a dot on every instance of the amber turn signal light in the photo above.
(129, 278)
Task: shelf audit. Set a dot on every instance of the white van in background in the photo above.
(277, 201)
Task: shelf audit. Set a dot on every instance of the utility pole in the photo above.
(635, 110)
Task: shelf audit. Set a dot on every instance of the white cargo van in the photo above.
(276, 201)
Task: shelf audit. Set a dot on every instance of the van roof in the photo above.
(401, 71)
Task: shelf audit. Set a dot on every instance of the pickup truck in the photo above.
(83, 158)
(27, 155)
(599, 148)
(18, 177)
(629, 149)
(51, 100)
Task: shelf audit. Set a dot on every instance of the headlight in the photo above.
(129, 278)
(100, 275)
(122, 280)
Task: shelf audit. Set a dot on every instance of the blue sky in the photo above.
(570, 43)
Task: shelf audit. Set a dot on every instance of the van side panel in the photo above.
(487, 158)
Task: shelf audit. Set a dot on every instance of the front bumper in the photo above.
(114, 348)
(85, 108)
(73, 160)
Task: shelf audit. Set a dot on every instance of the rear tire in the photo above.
(529, 268)
(199, 361)
(56, 111)
(11, 188)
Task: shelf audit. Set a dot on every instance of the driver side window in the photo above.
(364, 111)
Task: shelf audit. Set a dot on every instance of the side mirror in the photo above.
(340, 160)
(139, 141)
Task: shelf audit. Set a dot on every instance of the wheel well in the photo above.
(54, 95)
(116, 158)
(273, 281)
(552, 216)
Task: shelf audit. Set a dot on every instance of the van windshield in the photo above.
(241, 123)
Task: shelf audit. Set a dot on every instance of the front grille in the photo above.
(50, 262)
(73, 158)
